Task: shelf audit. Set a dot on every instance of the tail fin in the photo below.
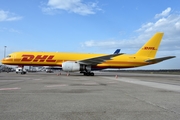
(150, 48)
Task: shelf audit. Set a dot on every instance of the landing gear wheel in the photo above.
(91, 74)
(85, 74)
(88, 73)
(23, 72)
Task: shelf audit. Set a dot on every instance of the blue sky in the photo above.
(93, 26)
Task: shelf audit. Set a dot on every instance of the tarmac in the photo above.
(105, 96)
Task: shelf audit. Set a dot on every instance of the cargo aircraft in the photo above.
(87, 62)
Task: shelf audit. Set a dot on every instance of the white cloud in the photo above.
(177, 25)
(170, 44)
(7, 16)
(170, 25)
(12, 30)
(75, 6)
(164, 13)
(112, 44)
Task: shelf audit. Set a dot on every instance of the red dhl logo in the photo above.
(38, 58)
(149, 48)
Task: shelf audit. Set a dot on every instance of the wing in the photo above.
(98, 60)
(156, 60)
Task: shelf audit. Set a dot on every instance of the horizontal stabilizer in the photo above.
(156, 60)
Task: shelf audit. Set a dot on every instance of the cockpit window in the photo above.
(8, 56)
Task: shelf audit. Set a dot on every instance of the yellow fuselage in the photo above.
(57, 58)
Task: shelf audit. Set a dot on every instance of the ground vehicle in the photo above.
(49, 71)
(20, 70)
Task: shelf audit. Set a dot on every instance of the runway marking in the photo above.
(10, 80)
(93, 83)
(149, 84)
(60, 85)
(111, 82)
(16, 88)
(36, 79)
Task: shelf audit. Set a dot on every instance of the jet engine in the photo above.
(72, 66)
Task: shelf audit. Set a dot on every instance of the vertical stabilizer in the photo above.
(150, 48)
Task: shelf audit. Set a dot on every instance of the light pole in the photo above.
(5, 51)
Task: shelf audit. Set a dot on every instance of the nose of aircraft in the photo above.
(2, 61)
(6, 60)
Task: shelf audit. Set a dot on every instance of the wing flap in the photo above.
(156, 60)
(98, 60)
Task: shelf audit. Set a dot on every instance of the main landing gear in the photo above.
(88, 73)
(23, 72)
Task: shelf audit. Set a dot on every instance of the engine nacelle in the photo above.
(72, 66)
